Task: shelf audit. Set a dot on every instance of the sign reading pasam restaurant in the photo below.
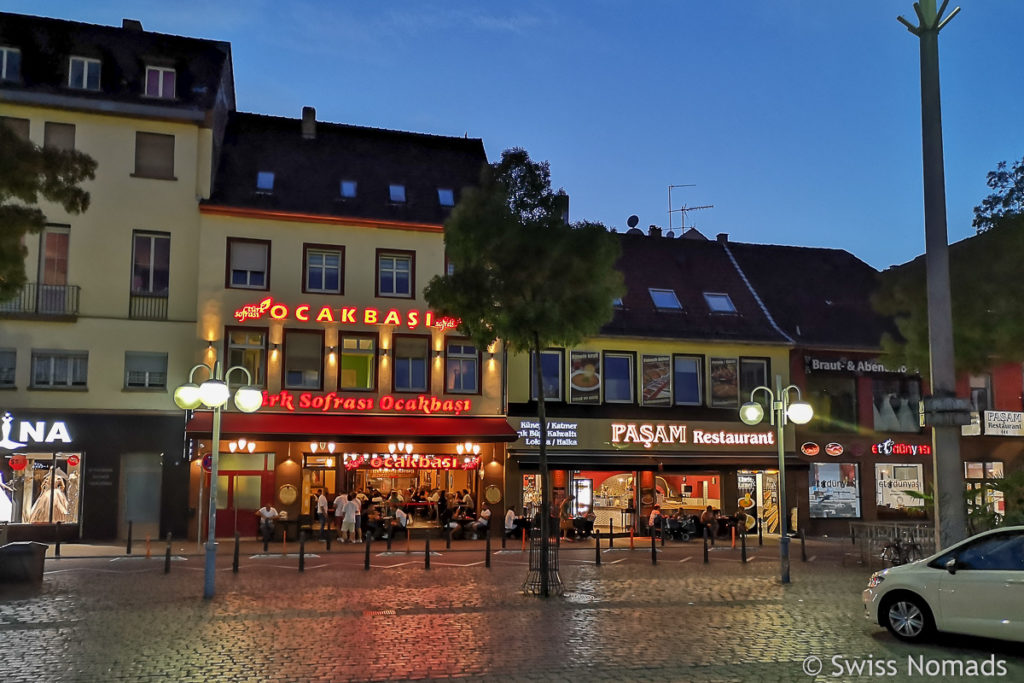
(597, 435)
(318, 402)
(648, 434)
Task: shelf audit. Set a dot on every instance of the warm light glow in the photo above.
(232, 446)
(214, 393)
(800, 412)
(248, 399)
(751, 413)
(313, 446)
(330, 447)
(187, 397)
(391, 447)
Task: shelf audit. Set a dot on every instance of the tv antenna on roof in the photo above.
(683, 209)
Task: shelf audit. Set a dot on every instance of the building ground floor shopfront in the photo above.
(288, 460)
(90, 475)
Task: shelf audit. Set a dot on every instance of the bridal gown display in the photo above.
(890, 423)
(906, 417)
(6, 506)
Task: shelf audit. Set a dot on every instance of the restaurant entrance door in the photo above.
(244, 482)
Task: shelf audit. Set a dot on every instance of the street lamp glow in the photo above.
(800, 412)
(248, 399)
(187, 397)
(214, 393)
(751, 413)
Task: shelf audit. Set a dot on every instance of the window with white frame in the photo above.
(303, 359)
(411, 365)
(248, 264)
(753, 373)
(151, 263)
(323, 269)
(84, 73)
(145, 370)
(357, 363)
(59, 369)
(394, 274)
(665, 299)
(10, 64)
(551, 375)
(349, 188)
(719, 303)
(396, 193)
(462, 366)
(248, 348)
(618, 377)
(160, 82)
(445, 196)
(8, 364)
(688, 380)
(154, 156)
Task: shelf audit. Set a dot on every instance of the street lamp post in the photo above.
(214, 393)
(783, 409)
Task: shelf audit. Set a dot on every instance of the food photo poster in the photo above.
(584, 377)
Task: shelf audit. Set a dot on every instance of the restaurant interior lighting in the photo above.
(242, 445)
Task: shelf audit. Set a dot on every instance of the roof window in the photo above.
(445, 196)
(348, 189)
(719, 303)
(397, 193)
(160, 82)
(10, 64)
(84, 73)
(665, 299)
(265, 181)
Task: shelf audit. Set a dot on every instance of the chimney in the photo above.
(723, 238)
(131, 24)
(562, 205)
(654, 231)
(308, 123)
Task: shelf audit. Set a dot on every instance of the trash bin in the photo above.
(22, 561)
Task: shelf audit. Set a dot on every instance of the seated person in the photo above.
(585, 523)
(400, 524)
(267, 515)
(655, 521)
(479, 527)
(510, 522)
(374, 524)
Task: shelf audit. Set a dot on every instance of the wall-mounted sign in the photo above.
(347, 315)
(834, 449)
(331, 402)
(891, 447)
(31, 431)
(559, 433)
(648, 434)
(857, 366)
(584, 377)
(596, 435)
(379, 461)
(657, 380)
(810, 448)
(1004, 423)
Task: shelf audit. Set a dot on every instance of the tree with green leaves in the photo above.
(27, 173)
(988, 312)
(1007, 198)
(525, 276)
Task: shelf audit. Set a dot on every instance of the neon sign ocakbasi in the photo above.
(413, 462)
(347, 315)
(307, 401)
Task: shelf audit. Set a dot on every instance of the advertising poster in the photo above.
(584, 377)
(834, 490)
(657, 381)
(725, 388)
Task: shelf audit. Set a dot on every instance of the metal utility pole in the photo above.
(944, 412)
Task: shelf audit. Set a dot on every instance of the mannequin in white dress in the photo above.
(6, 506)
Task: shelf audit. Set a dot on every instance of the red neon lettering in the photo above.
(348, 314)
(370, 316)
(325, 315)
(413, 319)
(429, 322)
(302, 312)
(387, 402)
(392, 318)
(278, 311)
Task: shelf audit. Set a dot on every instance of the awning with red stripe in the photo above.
(357, 428)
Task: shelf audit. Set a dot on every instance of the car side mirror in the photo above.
(951, 565)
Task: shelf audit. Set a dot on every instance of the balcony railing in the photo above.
(41, 300)
(147, 306)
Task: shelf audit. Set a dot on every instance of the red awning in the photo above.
(359, 428)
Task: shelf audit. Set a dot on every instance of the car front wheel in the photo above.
(908, 618)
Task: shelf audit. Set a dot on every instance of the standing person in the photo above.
(709, 523)
(349, 517)
(339, 505)
(467, 500)
(655, 521)
(401, 522)
(565, 517)
(267, 515)
(321, 513)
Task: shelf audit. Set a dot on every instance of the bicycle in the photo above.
(901, 551)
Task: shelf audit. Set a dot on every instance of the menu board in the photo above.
(584, 377)
(657, 381)
(725, 389)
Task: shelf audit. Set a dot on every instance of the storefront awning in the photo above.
(355, 428)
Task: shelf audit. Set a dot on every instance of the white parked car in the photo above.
(975, 587)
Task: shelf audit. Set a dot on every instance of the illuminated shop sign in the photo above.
(308, 401)
(811, 449)
(350, 315)
(648, 434)
(380, 461)
(559, 433)
(1004, 423)
(31, 431)
(857, 366)
(891, 447)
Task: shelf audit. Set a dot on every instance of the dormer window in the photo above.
(160, 82)
(665, 299)
(445, 196)
(348, 189)
(10, 64)
(265, 182)
(397, 193)
(84, 73)
(719, 303)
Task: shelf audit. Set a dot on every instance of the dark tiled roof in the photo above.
(820, 297)
(308, 172)
(690, 268)
(46, 46)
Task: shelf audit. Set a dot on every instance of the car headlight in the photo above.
(875, 579)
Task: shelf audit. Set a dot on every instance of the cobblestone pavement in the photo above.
(123, 619)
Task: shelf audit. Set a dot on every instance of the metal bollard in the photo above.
(663, 525)
(504, 535)
(654, 549)
(803, 547)
(302, 551)
(760, 538)
(391, 532)
(447, 538)
(128, 549)
(597, 547)
(367, 540)
(705, 545)
(743, 547)
(487, 556)
(611, 534)
(234, 559)
(328, 541)
(426, 553)
(56, 545)
(266, 541)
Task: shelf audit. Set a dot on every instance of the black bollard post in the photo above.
(597, 547)
(447, 538)
(504, 535)
(391, 532)
(760, 538)
(328, 541)
(302, 551)
(853, 535)
(266, 540)
(234, 559)
(128, 549)
(611, 534)
(426, 553)
(167, 555)
(56, 545)
(366, 560)
(743, 547)
(705, 545)
(487, 556)
(654, 549)
(803, 547)
(663, 525)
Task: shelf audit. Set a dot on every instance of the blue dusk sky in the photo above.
(799, 120)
